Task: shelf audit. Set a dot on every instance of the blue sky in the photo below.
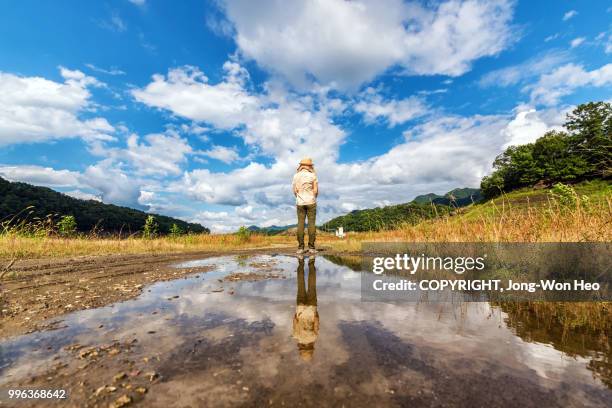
(201, 110)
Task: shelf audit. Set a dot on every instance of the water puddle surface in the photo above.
(276, 330)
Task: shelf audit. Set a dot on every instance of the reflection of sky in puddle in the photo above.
(360, 348)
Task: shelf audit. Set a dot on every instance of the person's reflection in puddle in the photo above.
(306, 318)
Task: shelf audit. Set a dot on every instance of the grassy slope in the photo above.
(521, 216)
(524, 215)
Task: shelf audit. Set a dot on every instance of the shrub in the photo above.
(67, 226)
(244, 234)
(564, 194)
(175, 231)
(150, 228)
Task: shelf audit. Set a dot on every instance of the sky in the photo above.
(201, 110)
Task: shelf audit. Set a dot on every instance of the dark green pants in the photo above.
(309, 211)
(307, 297)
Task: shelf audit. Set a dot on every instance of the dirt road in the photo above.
(36, 290)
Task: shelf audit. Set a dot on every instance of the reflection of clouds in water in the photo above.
(551, 364)
(474, 331)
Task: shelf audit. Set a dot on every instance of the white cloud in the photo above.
(562, 81)
(310, 38)
(529, 124)
(276, 123)
(161, 154)
(146, 197)
(186, 92)
(518, 73)
(45, 176)
(82, 195)
(225, 154)
(605, 39)
(111, 71)
(569, 14)
(551, 37)
(373, 106)
(35, 109)
(576, 42)
(114, 23)
(113, 185)
(138, 2)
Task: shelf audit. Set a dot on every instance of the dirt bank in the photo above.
(36, 290)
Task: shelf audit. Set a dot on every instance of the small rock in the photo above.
(122, 401)
(141, 390)
(119, 377)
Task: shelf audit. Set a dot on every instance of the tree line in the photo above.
(582, 151)
(389, 217)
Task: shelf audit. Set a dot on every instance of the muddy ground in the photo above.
(37, 290)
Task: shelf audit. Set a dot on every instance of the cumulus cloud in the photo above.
(38, 175)
(275, 123)
(112, 185)
(222, 153)
(529, 124)
(158, 154)
(374, 107)
(310, 38)
(562, 81)
(186, 92)
(35, 109)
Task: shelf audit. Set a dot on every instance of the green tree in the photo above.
(590, 126)
(493, 185)
(150, 228)
(67, 225)
(175, 231)
(517, 166)
(552, 153)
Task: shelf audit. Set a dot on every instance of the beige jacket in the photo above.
(304, 182)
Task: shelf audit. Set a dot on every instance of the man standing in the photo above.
(306, 188)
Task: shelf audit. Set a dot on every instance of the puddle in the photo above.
(303, 337)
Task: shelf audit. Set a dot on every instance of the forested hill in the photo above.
(15, 197)
(393, 216)
(459, 197)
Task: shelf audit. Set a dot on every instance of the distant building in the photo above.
(340, 232)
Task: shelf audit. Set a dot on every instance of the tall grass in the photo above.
(506, 219)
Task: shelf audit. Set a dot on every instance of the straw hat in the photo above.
(306, 161)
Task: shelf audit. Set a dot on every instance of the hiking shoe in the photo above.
(312, 251)
(300, 251)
